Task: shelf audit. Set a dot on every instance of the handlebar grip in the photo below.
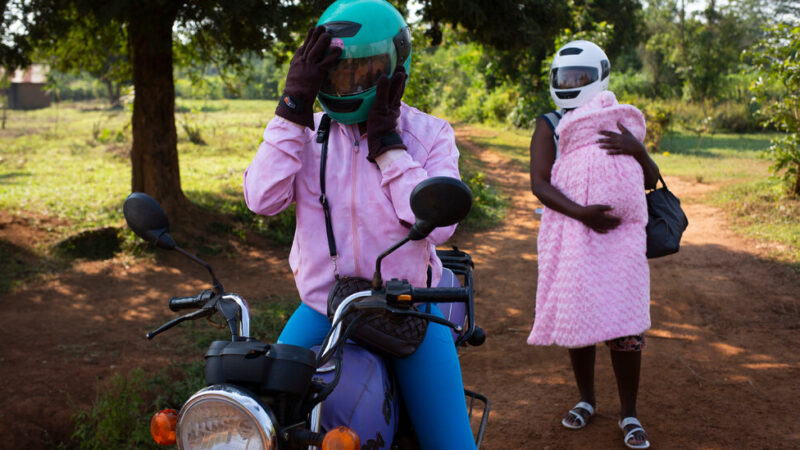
(195, 302)
(478, 337)
(440, 295)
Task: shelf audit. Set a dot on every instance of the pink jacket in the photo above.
(369, 203)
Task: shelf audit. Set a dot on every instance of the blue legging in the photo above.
(429, 380)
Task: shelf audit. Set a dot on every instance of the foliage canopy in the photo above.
(777, 60)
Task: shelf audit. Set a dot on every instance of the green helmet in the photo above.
(375, 41)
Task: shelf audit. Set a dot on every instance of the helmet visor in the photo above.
(572, 77)
(359, 68)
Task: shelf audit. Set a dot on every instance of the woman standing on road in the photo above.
(594, 282)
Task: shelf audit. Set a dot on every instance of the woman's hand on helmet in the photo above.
(622, 143)
(382, 133)
(307, 71)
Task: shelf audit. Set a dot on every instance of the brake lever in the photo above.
(205, 312)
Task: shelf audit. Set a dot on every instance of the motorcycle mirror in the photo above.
(148, 220)
(438, 202)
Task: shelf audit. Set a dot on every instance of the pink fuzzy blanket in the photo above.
(594, 287)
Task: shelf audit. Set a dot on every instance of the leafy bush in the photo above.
(499, 103)
(117, 418)
(631, 84)
(451, 79)
(659, 119)
(776, 61)
(488, 208)
(527, 108)
(424, 83)
(471, 109)
(120, 416)
(735, 117)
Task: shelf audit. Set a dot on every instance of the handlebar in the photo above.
(439, 295)
(194, 302)
(234, 308)
(401, 292)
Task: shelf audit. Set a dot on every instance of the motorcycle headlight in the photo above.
(224, 416)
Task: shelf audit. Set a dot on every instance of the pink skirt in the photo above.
(594, 287)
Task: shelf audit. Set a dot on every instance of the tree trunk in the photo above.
(5, 109)
(154, 155)
(113, 93)
(796, 189)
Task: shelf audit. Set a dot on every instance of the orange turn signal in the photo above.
(403, 298)
(162, 426)
(341, 438)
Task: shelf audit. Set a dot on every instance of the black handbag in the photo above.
(666, 222)
(382, 332)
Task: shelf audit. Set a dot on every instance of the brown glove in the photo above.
(382, 133)
(307, 71)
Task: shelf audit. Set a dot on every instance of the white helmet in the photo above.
(579, 72)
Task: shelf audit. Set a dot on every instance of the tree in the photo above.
(777, 61)
(97, 48)
(224, 32)
(13, 45)
(662, 48)
(231, 29)
(522, 33)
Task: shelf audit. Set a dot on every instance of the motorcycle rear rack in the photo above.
(484, 417)
(456, 260)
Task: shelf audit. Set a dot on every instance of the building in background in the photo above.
(26, 89)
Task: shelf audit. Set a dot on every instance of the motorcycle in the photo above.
(279, 396)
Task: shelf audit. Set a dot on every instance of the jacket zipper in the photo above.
(353, 201)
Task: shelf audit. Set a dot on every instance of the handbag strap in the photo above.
(660, 178)
(323, 132)
(662, 181)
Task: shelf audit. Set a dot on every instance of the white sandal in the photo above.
(638, 427)
(582, 421)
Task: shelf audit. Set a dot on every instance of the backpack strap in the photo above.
(552, 118)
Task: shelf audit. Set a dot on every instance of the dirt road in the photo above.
(721, 369)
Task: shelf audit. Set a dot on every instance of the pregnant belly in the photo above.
(598, 178)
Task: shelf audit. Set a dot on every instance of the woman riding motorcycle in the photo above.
(355, 61)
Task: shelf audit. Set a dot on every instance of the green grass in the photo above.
(760, 209)
(489, 205)
(69, 166)
(758, 204)
(717, 158)
(508, 141)
(72, 162)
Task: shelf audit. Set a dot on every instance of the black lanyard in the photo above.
(323, 132)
